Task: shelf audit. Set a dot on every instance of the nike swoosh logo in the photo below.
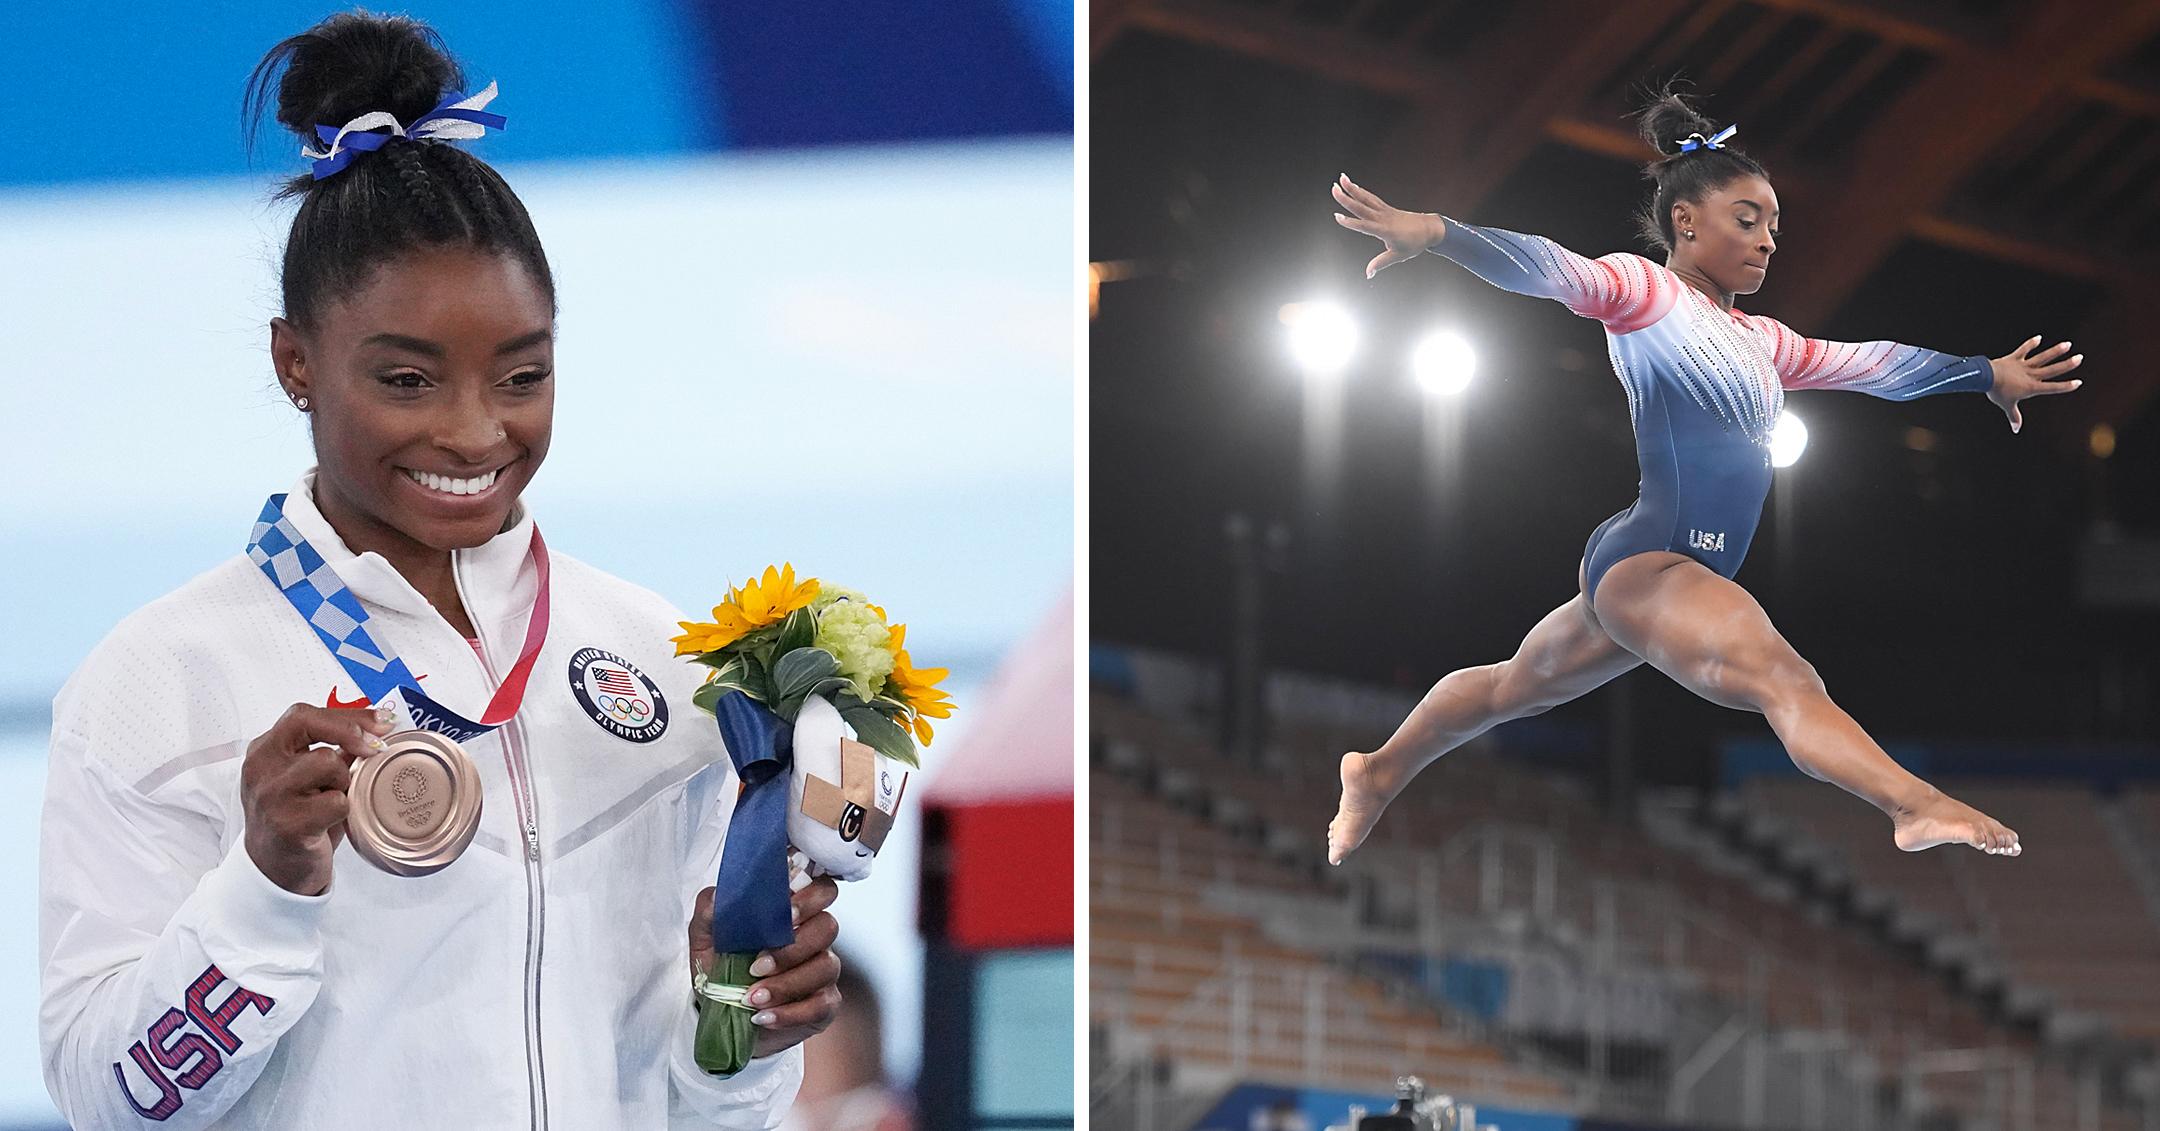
(334, 703)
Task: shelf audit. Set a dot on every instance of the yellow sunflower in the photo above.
(770, 601)
(917, 687)
(757, 603)
(729, 625)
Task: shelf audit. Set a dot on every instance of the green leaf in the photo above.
(730, 670)
(706, 697)
(797, 631)
(893, 708)
(800, 670)
(720, 658)
(882, 734)
(756, 678)
(832, 685)
(757, 642)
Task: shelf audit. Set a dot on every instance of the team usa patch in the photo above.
(617, 695)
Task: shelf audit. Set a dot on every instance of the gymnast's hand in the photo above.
(292, 790)
(2018, 376)
(797, 993)
(1406, 234)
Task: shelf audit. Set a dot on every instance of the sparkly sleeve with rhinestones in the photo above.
(1625, 292)
(1879, 369)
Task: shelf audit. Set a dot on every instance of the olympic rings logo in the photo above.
(623, 708)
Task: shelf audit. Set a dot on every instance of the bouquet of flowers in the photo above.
(809, 681)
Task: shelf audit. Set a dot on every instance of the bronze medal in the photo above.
(415, 806)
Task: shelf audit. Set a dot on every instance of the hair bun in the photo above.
(1668, 119)
(351, 64)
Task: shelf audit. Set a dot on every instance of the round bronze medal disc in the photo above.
(414, 806)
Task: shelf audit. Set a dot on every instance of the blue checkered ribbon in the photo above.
(319, 595)
(1694, 142)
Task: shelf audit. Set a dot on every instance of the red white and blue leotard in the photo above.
(1704, 388)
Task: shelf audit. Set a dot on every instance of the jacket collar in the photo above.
(496, 577)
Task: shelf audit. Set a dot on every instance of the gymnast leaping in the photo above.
(1705, 384)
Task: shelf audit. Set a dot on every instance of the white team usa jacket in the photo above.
(540, 981)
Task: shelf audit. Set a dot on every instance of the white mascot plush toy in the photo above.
(841, 796)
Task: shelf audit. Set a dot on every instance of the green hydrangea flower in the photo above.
(854, 631)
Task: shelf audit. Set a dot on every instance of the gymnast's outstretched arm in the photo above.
(1901, 373)
(1622, 290)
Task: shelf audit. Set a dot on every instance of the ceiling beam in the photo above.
(2122, 96)
(1992, 243)
(1336, 54)
(1744, 49)
(1968, 102)
(2001, 244)
(1458, 146)
(1107, 20)
(1874, 20)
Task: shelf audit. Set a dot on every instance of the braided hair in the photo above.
(1692, 175)
(407, 195)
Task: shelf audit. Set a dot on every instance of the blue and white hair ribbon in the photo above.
(455, 118)
(1697, 141)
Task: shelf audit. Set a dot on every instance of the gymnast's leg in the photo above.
(1566, 656)
(1708, 634)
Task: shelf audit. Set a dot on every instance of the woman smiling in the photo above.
(214, 950)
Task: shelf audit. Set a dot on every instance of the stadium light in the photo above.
(1322, 336)
(1788, 439)
(1443, 363)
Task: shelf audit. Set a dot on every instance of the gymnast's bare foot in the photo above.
(1945, 820)
(1367, 786)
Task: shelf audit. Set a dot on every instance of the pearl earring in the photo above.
(1691, 233)
(300, 403)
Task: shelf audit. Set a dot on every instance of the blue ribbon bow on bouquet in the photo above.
(750, 910)
(750, 898)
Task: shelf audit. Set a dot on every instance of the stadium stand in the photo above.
(1777, 962)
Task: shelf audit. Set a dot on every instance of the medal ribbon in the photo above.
(319, 595)
(750, 899)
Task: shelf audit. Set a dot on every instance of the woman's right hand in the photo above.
(292, 790)
(1406, 234)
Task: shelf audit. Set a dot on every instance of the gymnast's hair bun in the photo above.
(350, 64)
(1668, 118)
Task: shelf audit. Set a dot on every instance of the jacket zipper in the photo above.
(522, 797)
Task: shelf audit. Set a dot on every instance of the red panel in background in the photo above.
(1000, 874)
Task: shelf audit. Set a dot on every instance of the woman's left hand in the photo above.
(2018, 376)
(796, 995)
